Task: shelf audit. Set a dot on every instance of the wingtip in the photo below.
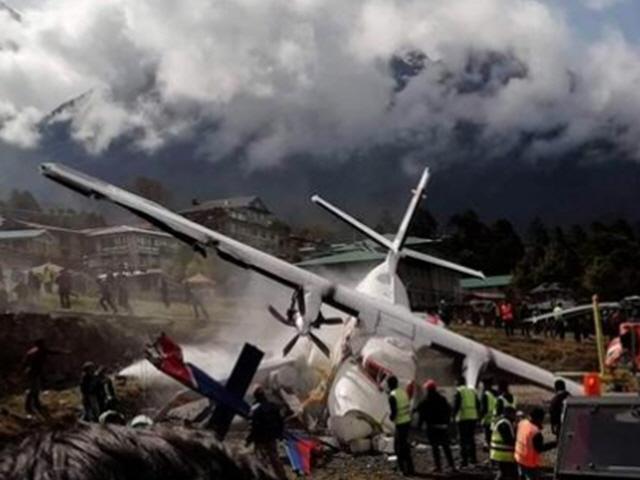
(46, 167)
(315, 198)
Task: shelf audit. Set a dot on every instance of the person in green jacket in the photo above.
(466, 409)
(400, 407)
(488, 402)
(503, 440)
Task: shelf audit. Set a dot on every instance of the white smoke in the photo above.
(276, 78)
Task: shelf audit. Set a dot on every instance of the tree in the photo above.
(152, 189)
(505, 248)
(469, 240)
(560, 263)
(423, 225)
(23, 200)
(385, 223)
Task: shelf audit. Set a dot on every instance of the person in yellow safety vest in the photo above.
(503, 440)
(530, 444)
(466, 408)
(505, 398)
(400, 406)
(488, 408)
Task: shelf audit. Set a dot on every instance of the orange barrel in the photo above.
(592, 385)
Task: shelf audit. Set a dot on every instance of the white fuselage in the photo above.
(358, 401)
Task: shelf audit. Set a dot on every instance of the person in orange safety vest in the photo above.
(530, 444)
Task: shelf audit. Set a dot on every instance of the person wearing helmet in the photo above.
(434, 414)
(141, 421)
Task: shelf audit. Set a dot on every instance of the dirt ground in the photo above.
(114, 340)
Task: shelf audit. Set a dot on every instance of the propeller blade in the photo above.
(292, 305)
(321, 320)
(278, 316)
(287, 348)
(320, 344)
(301, 303)
(331, 321)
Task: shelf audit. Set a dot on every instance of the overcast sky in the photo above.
(276, 83)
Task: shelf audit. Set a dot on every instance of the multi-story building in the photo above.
(114, 248)
(26, 248)
(246, 219)
(426, 284)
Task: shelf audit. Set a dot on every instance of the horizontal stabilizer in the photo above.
(358, 225)
(406, 252)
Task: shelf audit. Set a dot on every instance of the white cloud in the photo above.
(275, 78)
(19, 127)
(600, 5)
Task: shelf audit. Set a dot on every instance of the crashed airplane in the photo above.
(380, 331)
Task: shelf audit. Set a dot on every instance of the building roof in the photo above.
(353, 256)
(489, 282)
(21, 234)
(233, 202)
(120, 229)
(52, 228)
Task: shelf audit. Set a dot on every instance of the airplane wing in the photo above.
(375, 315)
(568, 312)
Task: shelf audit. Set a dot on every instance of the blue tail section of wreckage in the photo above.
(166, 356)
(236, 387)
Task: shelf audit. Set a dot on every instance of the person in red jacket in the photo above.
(506, 314)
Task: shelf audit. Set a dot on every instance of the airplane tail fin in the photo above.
(403, 229)
(395, 247)
(166, 356)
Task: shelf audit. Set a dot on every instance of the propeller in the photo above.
(303, 319)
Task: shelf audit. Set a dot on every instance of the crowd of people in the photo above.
(516, 317)
(514, 440)
(23, 290)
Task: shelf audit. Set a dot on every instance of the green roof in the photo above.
(20, 234)
(361, 251)
(489, 282)
(353, 256)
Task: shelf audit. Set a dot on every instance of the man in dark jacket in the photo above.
(64, 282)
(89, 390)
(35, 362)
(106, 392)
(557, 406)
(435, 413)
(267, 426)
(106, 299)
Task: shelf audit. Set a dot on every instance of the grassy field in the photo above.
(548, 353)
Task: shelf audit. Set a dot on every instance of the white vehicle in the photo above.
(379, 337)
